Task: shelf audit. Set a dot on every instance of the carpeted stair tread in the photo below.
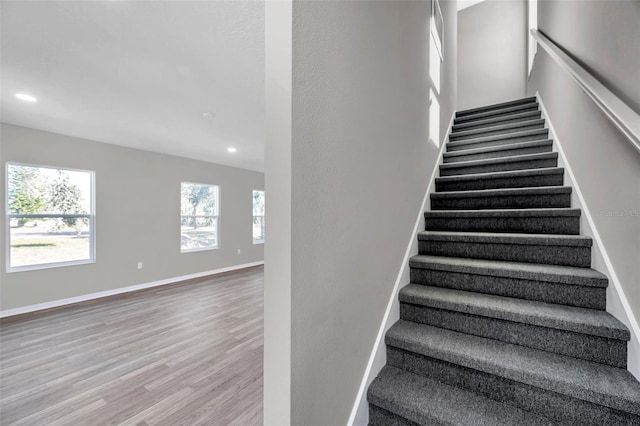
(502, 175)
(499, 148)
(506, 238)
(538, 177)
(526, 213)
(561, 317)
(531, 106)
(471, 143)
(562, 221)
(499, 160)
(425, 402)
(521, 116)
(585, 380)
(502, 192)
(499, 105)
(528, 271)
(509, 127)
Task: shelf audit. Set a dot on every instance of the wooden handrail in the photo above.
(622, 116)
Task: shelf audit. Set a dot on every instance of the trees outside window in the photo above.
(258, 217)
(198, 217)
(50, 215)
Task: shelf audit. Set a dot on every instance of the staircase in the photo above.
(504, 322)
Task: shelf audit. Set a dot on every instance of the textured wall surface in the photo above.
(605, 37)
(492, 53)
(137, 216)
(361, 160)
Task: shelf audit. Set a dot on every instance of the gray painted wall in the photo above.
(605, 36)
(492, 52)
(277, 253)
(137, 216)
(360, 163)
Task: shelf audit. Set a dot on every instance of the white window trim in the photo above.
(92, 222)
(217, 218)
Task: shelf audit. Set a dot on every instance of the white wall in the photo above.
(137, 216)
(492, 53)
(604, 36)
(360, 164)
(277, 272)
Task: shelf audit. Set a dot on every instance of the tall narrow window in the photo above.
(198, 217)
(50, 216)
(258, 217)
(437, 27)
(533, 25)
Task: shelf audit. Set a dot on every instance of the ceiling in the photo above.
(463, 4)
(140, 74)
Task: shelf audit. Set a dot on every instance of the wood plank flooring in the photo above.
(187, 354)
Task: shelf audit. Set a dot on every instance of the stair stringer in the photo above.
(378, 357)
(617, 303)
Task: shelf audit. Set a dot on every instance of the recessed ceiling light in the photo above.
(25, 97)
(231, 150)
(208, 115)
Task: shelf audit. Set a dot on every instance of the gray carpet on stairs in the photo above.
(504, 321)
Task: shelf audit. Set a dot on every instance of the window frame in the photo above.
(91, 216)
(436, 14)
(217, 219)
(253, 217)
(532, 44)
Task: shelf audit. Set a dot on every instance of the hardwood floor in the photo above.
(187, 354)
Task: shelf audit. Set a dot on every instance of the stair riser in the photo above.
(502, 202)
(569, 225)
(494, 107)
(498, 154)
(592, 348)
(460, 146)
(543, 291)
(507, 119)
(550, 255)
(512, 182)
(559, 408)
(453, 137)
(495, 113)
(381, 417)
(499, 167)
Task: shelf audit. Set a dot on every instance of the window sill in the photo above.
(256, 242)
(28, 268)
(193, 250)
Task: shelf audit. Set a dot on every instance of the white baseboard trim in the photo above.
(122, 290)
(359, 412)
(617, 302)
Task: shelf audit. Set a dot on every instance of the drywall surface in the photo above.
(603, 36)
(492, 53)
(277, 273)
(137, 195)
(361, 161)
(604, 164)
(442, 77)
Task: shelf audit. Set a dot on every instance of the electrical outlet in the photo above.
(139, 265)
(239, 251)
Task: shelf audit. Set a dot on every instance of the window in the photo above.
(437, 27)
(533, 25)
(50, 217)
(198, 217)
(258, 217)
